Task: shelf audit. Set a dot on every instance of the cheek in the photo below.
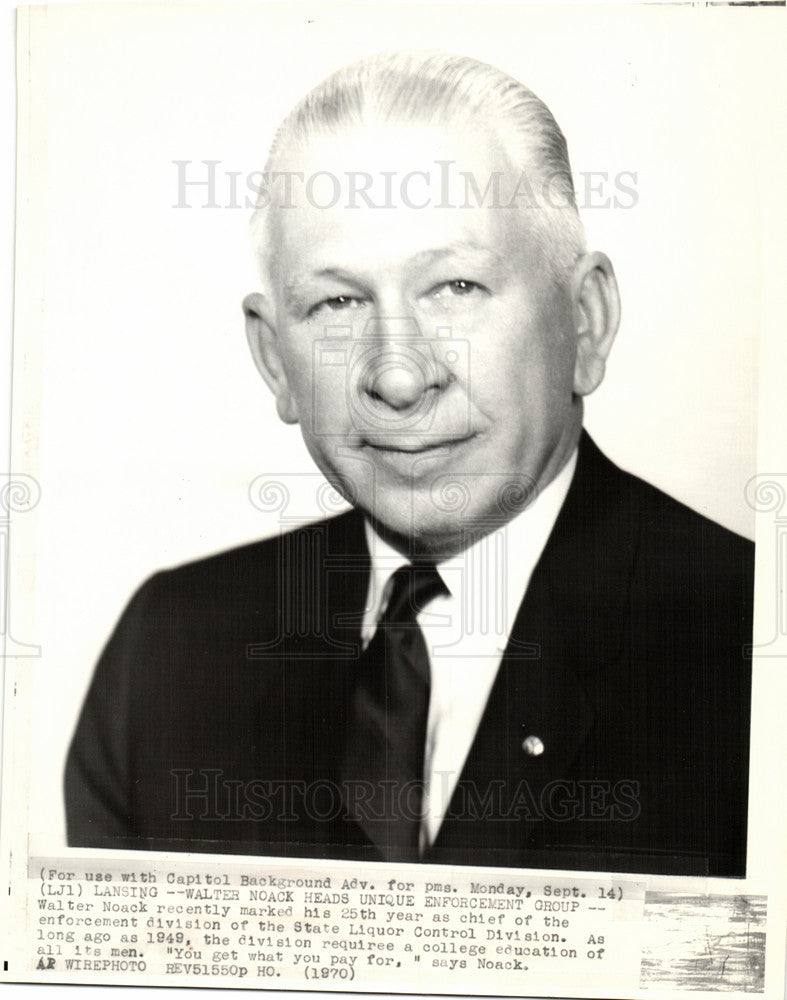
(544, 345)
(506, 352)
(318, 379)
(522, 366)
(298, 358)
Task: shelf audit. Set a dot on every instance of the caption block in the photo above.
(257, 924)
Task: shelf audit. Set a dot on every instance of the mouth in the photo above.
(410, 461)
(418, 447)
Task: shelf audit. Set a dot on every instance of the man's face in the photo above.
(425, 351)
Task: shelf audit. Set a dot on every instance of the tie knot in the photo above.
(413, 587)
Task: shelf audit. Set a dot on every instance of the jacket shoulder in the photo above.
(630, 552)
(671, 531)
(253, 568)
(659, 522)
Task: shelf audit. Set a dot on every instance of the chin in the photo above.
(421, 533)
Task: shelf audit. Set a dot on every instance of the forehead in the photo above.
(382, 146)
(390, 193)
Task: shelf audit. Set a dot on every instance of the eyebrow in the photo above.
(293, 289)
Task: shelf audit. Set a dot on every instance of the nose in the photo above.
(402, 371)
(399, 381)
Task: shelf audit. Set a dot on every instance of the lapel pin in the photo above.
(532, 746)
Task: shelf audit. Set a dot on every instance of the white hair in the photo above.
(433, 88)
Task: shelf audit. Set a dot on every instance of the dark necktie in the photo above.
(383, 768)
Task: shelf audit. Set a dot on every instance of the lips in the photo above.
(407, 446)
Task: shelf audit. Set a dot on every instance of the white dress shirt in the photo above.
(466, 631)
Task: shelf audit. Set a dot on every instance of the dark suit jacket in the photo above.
(216, 719)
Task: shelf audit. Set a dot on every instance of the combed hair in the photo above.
(433, 88)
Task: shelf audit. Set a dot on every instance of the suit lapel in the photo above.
(572, 619)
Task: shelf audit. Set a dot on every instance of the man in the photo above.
(509, 652)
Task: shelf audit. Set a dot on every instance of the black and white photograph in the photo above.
(393, 441)
(282, 698)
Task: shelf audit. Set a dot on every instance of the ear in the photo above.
(265, 349)
(596, 300)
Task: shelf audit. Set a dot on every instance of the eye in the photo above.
(458, 288)
(336, 303)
